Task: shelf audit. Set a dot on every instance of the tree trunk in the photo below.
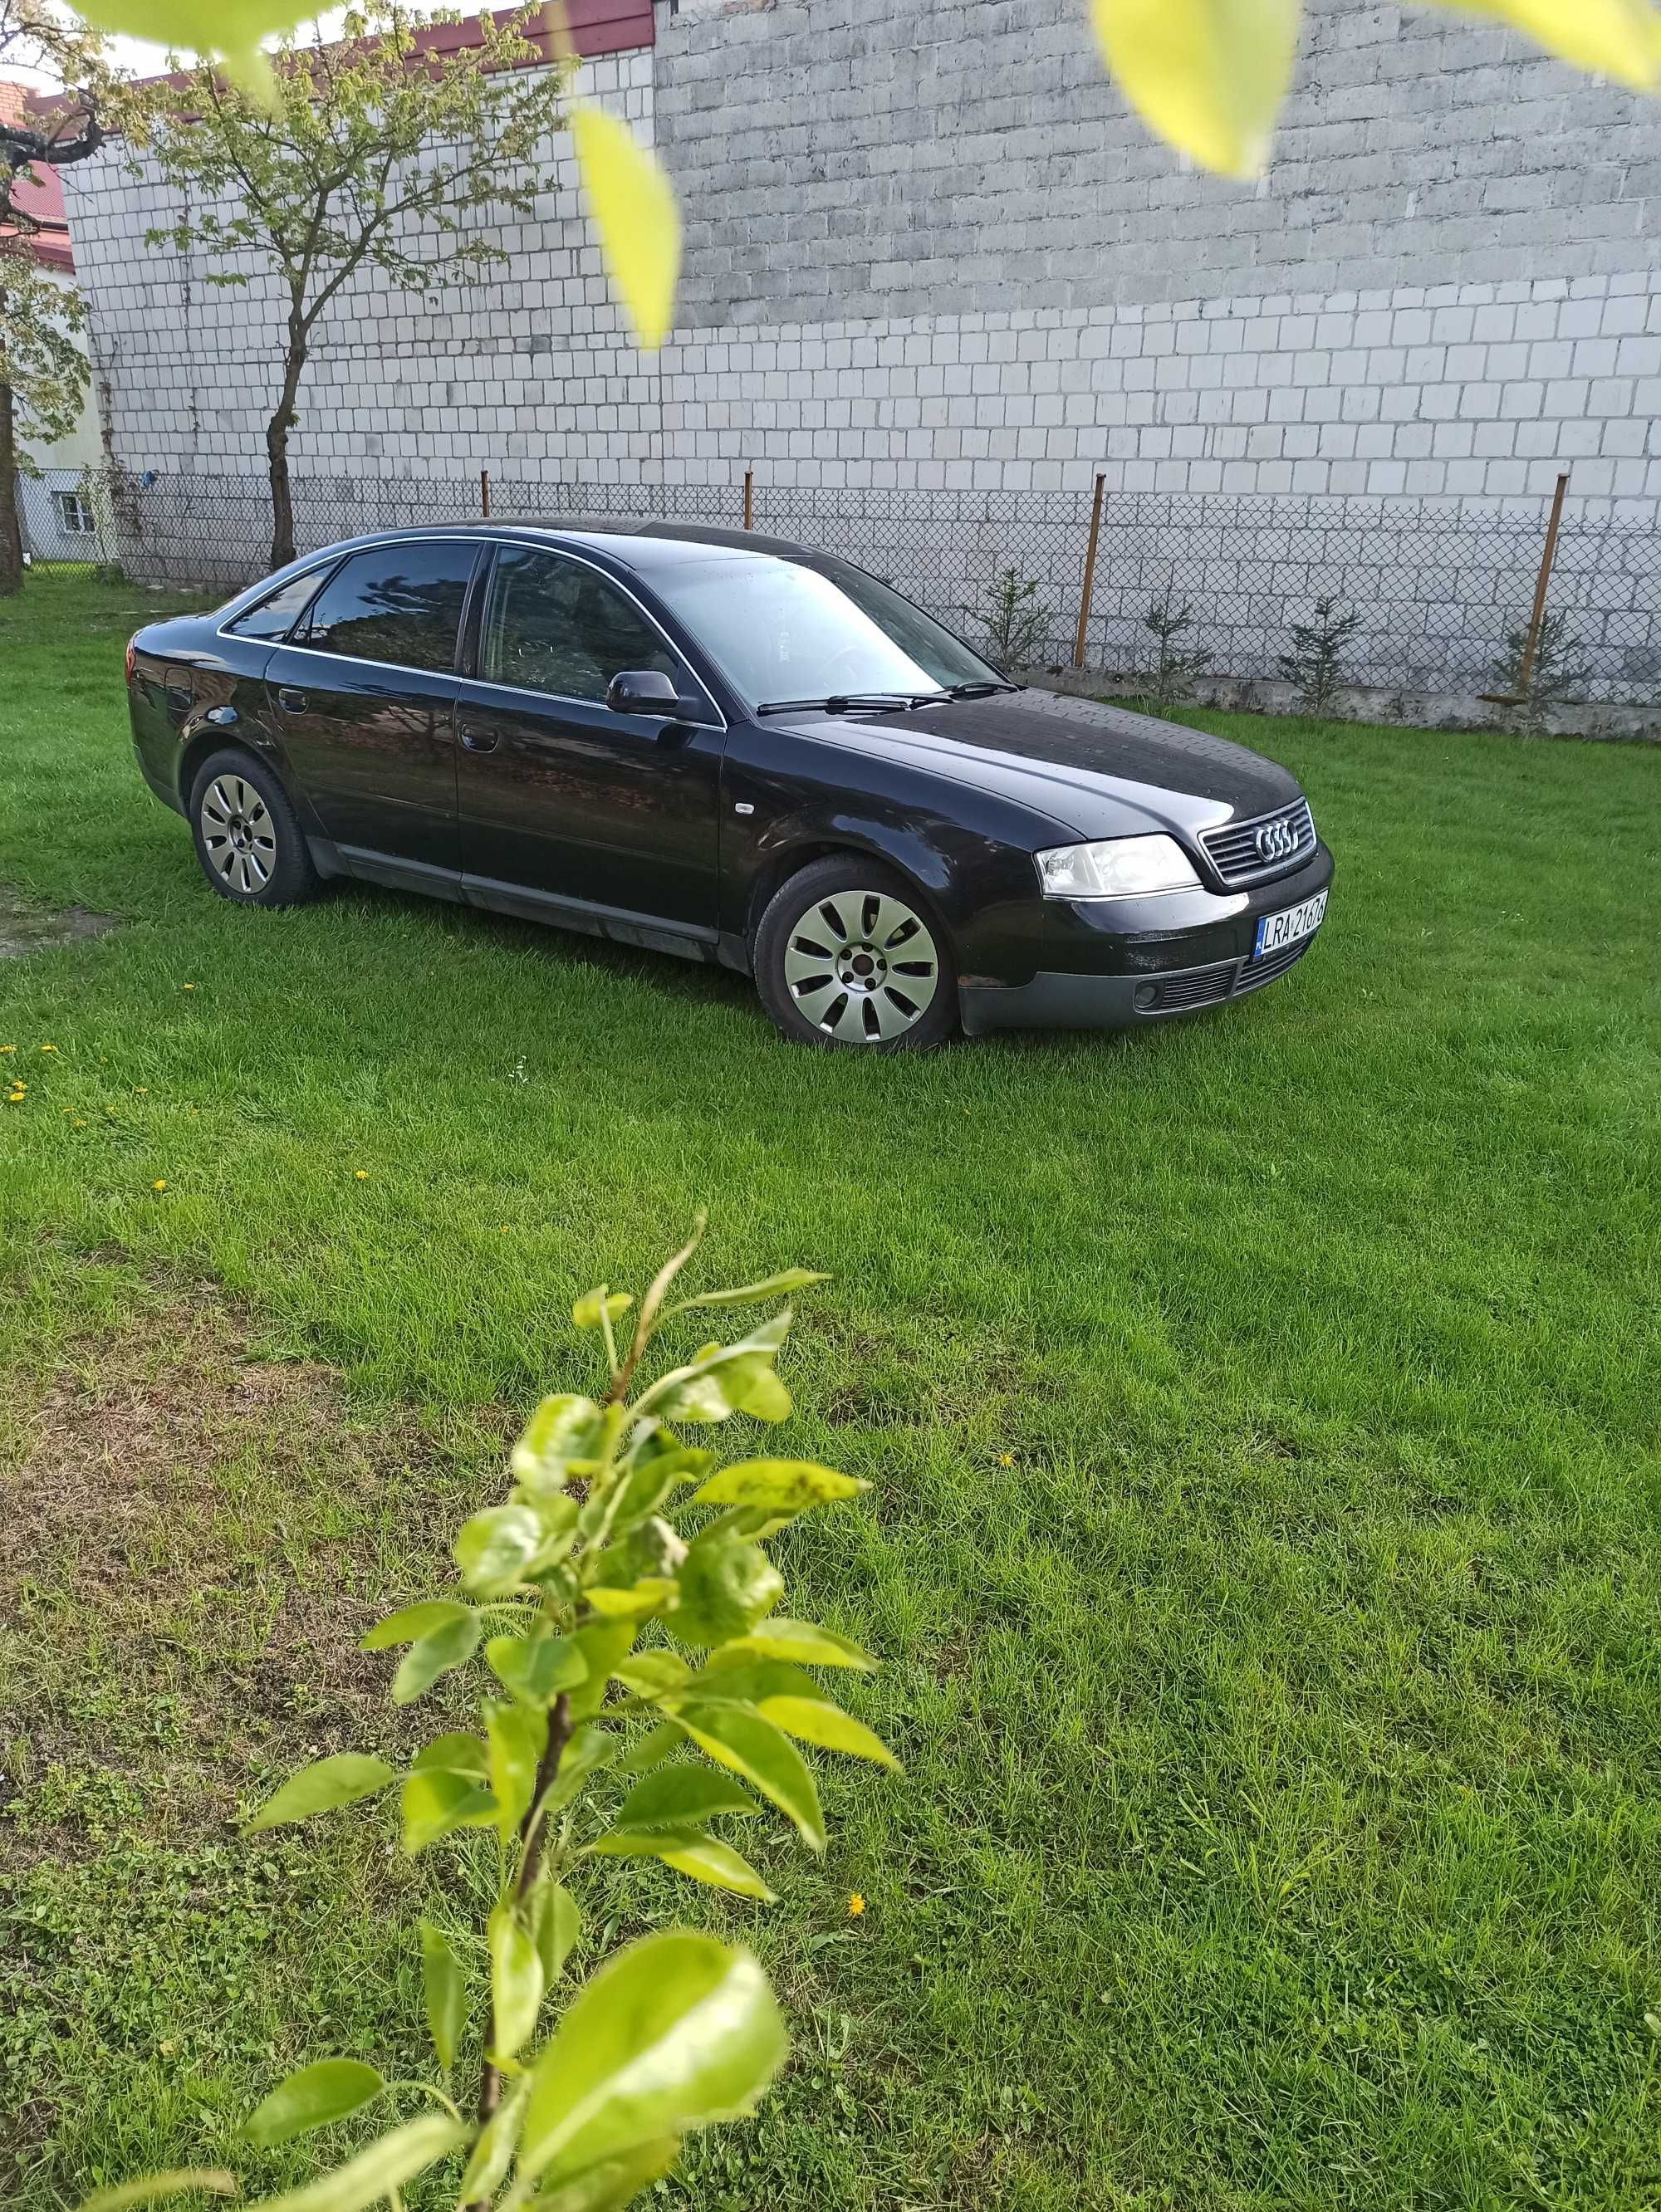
(11, 527)
(276, 450)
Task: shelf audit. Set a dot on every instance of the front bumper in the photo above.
(1111, 963)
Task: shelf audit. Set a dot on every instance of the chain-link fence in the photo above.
(1437, 588)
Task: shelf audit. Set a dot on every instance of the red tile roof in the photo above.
(38, 191)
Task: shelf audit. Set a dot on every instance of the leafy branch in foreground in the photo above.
(642, 1687)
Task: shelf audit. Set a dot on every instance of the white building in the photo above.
(935, 265)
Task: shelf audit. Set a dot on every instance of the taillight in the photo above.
(131, 641)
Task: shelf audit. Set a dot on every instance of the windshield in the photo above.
(780, 631)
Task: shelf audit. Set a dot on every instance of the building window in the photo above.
(73, 515)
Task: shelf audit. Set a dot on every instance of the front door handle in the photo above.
(479, 741)
(290, 701)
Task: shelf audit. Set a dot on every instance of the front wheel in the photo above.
(848, 956)
(247, 835)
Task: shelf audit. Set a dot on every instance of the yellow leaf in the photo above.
(633, 206)
(232, 29)
(1208, 75)
(1620, 38)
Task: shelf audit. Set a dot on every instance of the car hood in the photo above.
(1100, 771)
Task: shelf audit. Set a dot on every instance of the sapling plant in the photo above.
(1315, 663)
(1176, 665)
(1015, 619)
(638, 1685)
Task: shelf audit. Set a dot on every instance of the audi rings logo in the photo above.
(1277, 841)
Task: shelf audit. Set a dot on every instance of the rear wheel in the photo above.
(249, 838)
(848, 955)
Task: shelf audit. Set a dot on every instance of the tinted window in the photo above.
(274, 615)
(551, 625)
(399, 603)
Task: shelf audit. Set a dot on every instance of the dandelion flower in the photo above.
(187, 986)
(363, 1174)
(856, 1906)
(1006, 1459)
(49, 1048)
(8, 1048)
(161, 1183)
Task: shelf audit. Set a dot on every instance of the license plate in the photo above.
(1276, 931)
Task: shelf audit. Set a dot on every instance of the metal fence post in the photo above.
(484, 494)
(749, 499)
(1089, 573)
(1537, 619)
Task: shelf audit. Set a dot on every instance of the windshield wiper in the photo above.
(848, 703)
(979, 690)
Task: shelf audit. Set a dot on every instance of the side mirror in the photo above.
(643, 691)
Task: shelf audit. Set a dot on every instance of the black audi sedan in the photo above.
(731, 748)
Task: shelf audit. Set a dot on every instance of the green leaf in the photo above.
(182, 2181)
(772, 1286)
(341, 1779)
(455, 1754)
(535, 1668)
(518, 1736)
(640, 1602)
(704, 1857)
(615, 2181)
(1208, 76)
(327, 2091)
(589, 1749)
(1615, 38)
(603, 1645)
(725, 1587)
(586, 1313)
(556, 1924)
(492, 2153)
(515, 1978)
(804, 1641)
(817, 1721)
(649, 1674)
(496, 1546)
(656, 1466)
(721, 1380)
(375, 2173)
(434, 1655)
(680, 1796)
(757, 1391)
(739, 1740)
(676, 2033)
(633, 207)
(414, 1622)
(435, 1801)
(651, 1749)
(779, 1485)
(563, 1428)
(446, 1992)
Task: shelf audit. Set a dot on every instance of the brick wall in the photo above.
(929, 250)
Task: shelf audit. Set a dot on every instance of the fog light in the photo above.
(1145, 995)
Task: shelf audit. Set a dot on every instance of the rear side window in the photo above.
(274, 615)
(551, 625)
(397, 603)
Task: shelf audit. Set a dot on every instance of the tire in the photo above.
(247, 836)
(848, 955)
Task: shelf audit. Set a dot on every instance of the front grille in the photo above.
(1234, 850)
(1209, 986)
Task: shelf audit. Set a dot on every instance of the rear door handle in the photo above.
(290, 701)
(477, 740)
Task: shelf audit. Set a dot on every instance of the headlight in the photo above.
(1115, 867)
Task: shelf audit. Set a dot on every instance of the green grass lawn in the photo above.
(1264, 1548)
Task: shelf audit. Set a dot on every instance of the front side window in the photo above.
(399, 603)
(783, 631)
(275, 616)
(552, 625)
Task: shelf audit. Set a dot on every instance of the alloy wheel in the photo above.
(238, 834)
(862, 967)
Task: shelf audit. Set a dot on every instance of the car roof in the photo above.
(646, 543)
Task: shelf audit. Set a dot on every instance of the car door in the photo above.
(364, 694)
(569, 811)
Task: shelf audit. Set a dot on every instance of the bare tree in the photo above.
(378, 149)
